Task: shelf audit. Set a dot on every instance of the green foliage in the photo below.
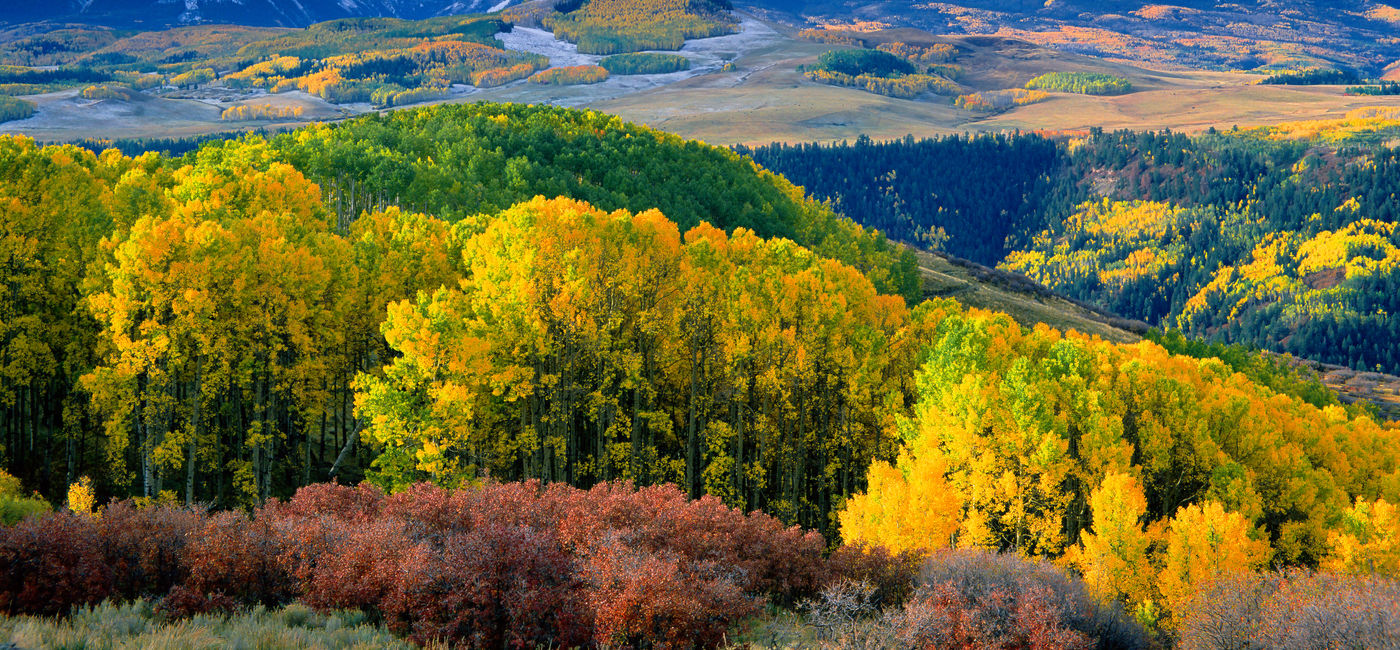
(645, 63)
(14, 108)
(1383, 88)
(460, 160)
(874, 63)
(1084, 83)
(1312, 77)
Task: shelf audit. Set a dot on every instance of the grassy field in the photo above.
(767, 100)
(138, 625)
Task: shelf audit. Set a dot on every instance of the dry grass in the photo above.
(136, 625)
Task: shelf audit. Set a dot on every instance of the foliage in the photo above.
(622, 26)
(461, 160)
(1293, 609)
(1030, 427)
(13, 108)
(1368, 541)
(991, 102)
(193, 78)
(687, 373)
(1252, 237)
(1312, 77)
(107, 91)
(1084, 83)
(196, 329)
(935, 53)
(874, 63)
(905, 87)
(81, 499)
(570, 75)
(908, 188)
(492, 565)
(246, 112)
(1383, 88)
(645, 63)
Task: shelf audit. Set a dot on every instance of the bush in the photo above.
(977, 599)
(1294, 609)
(231, 559)
(50, 563)
(891, 576)
(145, 547)
(645, 63)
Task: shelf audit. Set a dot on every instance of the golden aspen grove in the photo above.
(505, 375)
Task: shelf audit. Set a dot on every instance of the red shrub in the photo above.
(352, 567)
(891, 574)
(330, 500)
(768, 558)
(494, 586)
(975, 599)
(145, 547)
(50, 563)
(641, 598)
(238, 558)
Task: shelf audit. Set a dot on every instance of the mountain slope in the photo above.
(283, 13)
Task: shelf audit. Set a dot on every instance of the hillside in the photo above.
(1233, 36)
(152, 14)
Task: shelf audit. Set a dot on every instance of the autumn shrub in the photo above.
(50, 563)
(890, 575)
(232, 558)
(1296, 608)
(640, 597)
(978, 599)
(497, 585)
(783, 562)
(145, 547)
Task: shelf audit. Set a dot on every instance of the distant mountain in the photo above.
(284, 13)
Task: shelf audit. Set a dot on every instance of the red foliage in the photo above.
(974, 599)
(236, 557)
(50, 563)
(518, 564)
(494, 586)
(144, 547)
(891, 574)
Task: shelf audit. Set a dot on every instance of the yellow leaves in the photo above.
(1114, 557)
(1205, 542)
(1368, 541)
(82, 499)
(910, 508)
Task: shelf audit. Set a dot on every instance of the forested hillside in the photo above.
(1282, 238)
(588, 376)
(200, 326)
